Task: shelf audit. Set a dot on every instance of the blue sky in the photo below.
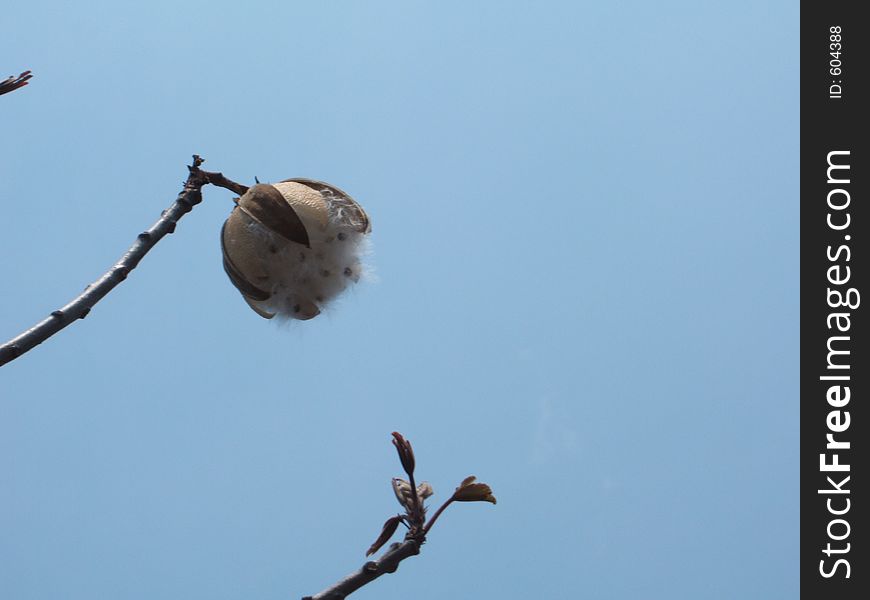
(585, 232)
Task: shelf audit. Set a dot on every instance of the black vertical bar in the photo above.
(835, 169)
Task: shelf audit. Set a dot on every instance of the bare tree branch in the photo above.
(13, 83)
(80, 306)
(412, 499)
(388, 563)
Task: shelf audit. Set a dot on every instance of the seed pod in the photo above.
(291, 247)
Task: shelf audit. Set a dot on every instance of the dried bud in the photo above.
(293, 246)
(403, 493)
(468, 491)
(386, 533)
(406, 453)
(424, 490)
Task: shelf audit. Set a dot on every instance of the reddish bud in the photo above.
(386, 533)
(406, 453)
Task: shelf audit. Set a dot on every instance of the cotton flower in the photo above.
(292, 247)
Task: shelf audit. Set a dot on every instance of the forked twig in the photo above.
(79, 307)
(412, 498)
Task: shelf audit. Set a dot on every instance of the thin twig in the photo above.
(219, 180)
(79, 307)
(437, 514)
(417, 515)
(388, 563)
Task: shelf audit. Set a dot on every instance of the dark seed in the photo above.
(273, 249)
(348, 271)
(342, 236)
(325, 273)
(296, 308)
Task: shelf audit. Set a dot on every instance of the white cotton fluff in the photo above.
(276, 269)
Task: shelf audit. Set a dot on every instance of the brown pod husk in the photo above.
(266, 205)
(291, 247)
(353, 214)
(240, 263)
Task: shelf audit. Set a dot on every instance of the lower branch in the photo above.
(79, 307)
(388, 563)
(412, 499)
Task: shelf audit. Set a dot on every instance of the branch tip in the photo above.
(80, 306)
